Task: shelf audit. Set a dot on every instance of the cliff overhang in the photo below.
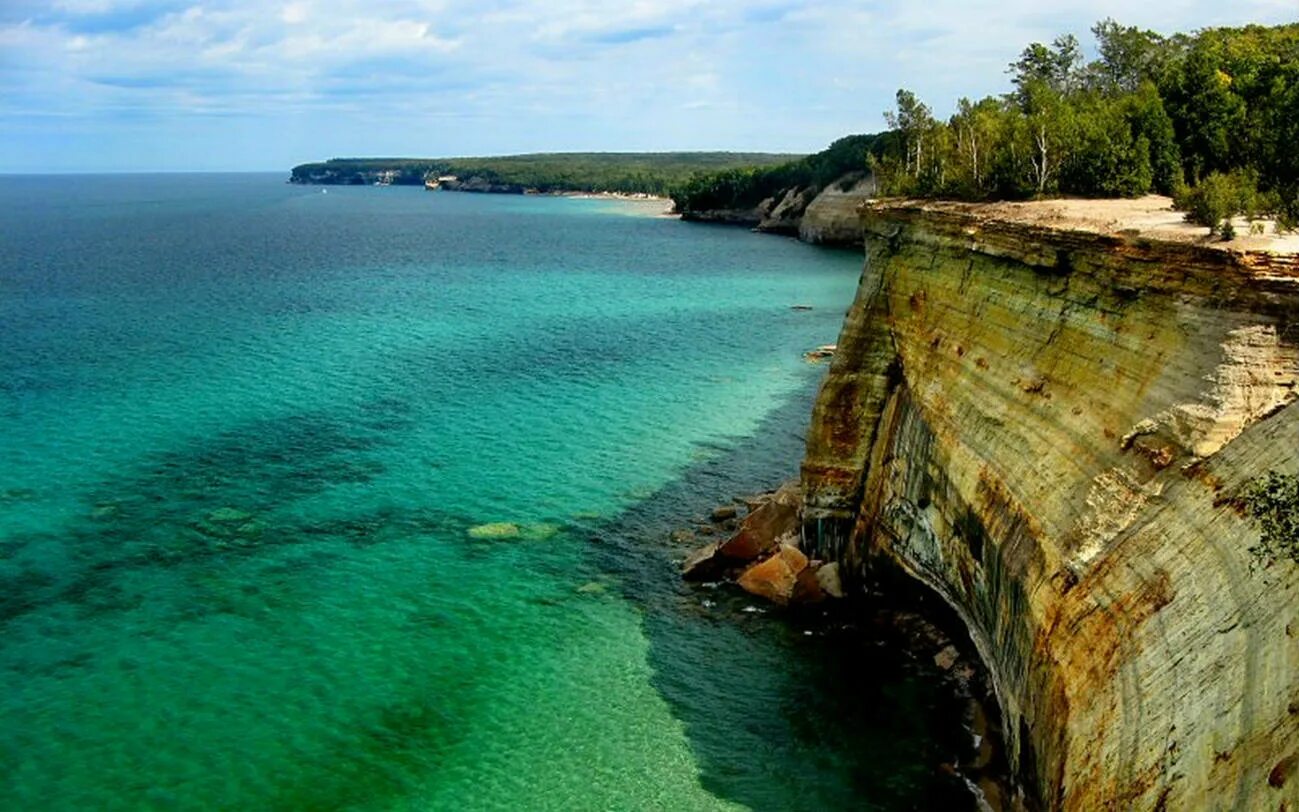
(1045, 413)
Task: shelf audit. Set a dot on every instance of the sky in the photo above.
(175, 85)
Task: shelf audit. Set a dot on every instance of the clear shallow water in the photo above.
(246, 428)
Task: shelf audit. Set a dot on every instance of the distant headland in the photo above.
(643, 173)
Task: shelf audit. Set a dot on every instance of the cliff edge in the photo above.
(1046, 412)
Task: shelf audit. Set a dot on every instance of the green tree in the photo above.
(914, 123)
(1148, 119)
(1218, 198)
(1048, 123)
(1128, 56)
(1210, 115)
(976, 127)
(1058, 66)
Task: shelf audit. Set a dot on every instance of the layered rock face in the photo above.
(1050, 428)
(831, 218)
(824, 217)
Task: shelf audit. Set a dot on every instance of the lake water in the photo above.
(247, 431)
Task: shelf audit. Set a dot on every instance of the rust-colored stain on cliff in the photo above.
(1138, 654)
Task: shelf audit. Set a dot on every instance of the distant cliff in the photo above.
(821, 216)
(1050, 424)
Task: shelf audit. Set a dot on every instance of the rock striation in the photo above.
(1049, 425)
(831, 218)
(819, 216)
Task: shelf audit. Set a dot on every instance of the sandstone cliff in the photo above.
(831, 218)
(1045, 418)
(820, 216)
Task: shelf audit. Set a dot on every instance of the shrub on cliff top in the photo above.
(1218, 198)
(1272, 501)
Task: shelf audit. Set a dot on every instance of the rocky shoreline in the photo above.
(752, 545)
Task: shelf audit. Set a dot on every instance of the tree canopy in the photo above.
(746, 187)
(1150, 113)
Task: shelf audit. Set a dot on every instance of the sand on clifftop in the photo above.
(1151, 216)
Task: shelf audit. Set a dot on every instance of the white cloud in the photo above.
(579, 73)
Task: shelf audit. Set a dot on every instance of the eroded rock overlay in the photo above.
(1049, 427)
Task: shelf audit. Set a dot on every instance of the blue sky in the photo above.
(122, 85)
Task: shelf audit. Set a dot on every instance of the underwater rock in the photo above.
(228, 515)
(495, 530)
(105, 510)
(539, 531)
(682, 536)
(227, 525)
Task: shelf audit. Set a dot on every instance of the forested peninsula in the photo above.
(648, 173)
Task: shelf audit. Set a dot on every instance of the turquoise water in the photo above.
(247, 431)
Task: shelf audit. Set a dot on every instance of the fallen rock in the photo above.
(773, 522)
(806, 588)
(703, 564)
(724, 512)
(827, 575)
(765, 529)
(775, 578)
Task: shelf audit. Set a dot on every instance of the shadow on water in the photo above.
(819, 705)
(210, 504)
